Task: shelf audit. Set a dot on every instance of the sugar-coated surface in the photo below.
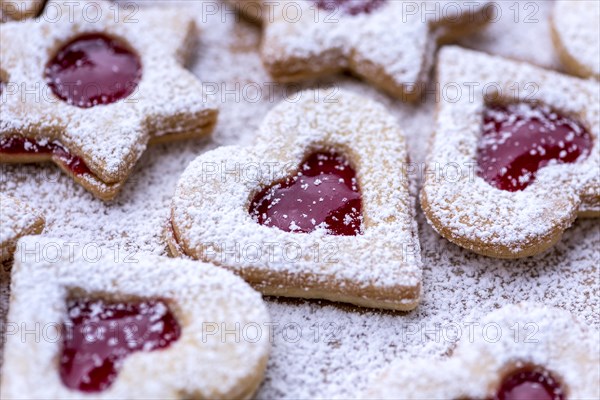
(339, 347)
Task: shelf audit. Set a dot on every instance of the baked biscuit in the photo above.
(390, 44)
(311, 210)
(514, 158)
(111, 325)
(60, 102)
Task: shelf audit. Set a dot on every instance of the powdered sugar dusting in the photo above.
(340, 347)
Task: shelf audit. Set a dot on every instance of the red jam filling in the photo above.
(99, 335)
(530, 384)
(519, 139)
(93, 69)
(350, 7)
(19, 145)
(323, 194)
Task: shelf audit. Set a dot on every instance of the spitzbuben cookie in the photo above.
(515, 154)
(390, 44)
(88, 321)
(89, 94)
(312, 209)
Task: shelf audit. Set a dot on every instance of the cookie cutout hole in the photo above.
(349, 7)
(323, 194)
(32, 150)
(518, 139)
(98, 334)
(93, 69)
(530, 382)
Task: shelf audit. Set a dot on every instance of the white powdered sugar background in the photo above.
(322, 349)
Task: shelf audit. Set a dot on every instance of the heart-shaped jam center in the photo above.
(349, 7)
(323, 194)
(29, 147)
(519, 139)
(99, 335)
(530, 384)
(93, 69)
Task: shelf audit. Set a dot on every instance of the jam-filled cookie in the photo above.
(520, 352)
(15, 10)
(89, 93)
(390, 44)
(114, 325)
(312, 210)
(515, 154)
(575, 33)
(16, 220)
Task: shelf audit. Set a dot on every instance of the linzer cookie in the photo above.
(312, 209)
(518, 352)
(16, 220)
(390, 44)
(575, 33)
(89, 94)
(514, 158)
(128, 326)
(14, 10)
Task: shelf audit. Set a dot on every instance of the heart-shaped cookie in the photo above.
(519, 352)
(390, 44)
(17, 220)
(318, 208)
(90, 94)
(515, 154)
(86, 320)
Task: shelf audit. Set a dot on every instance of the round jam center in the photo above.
(530, 384)
(323, 194)
(93, 69)
(519, 139)
(350, 7)
(99, 335)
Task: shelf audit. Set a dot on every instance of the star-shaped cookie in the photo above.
(312, 209)
(16, 220)
(92, 85)
(390, 44)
